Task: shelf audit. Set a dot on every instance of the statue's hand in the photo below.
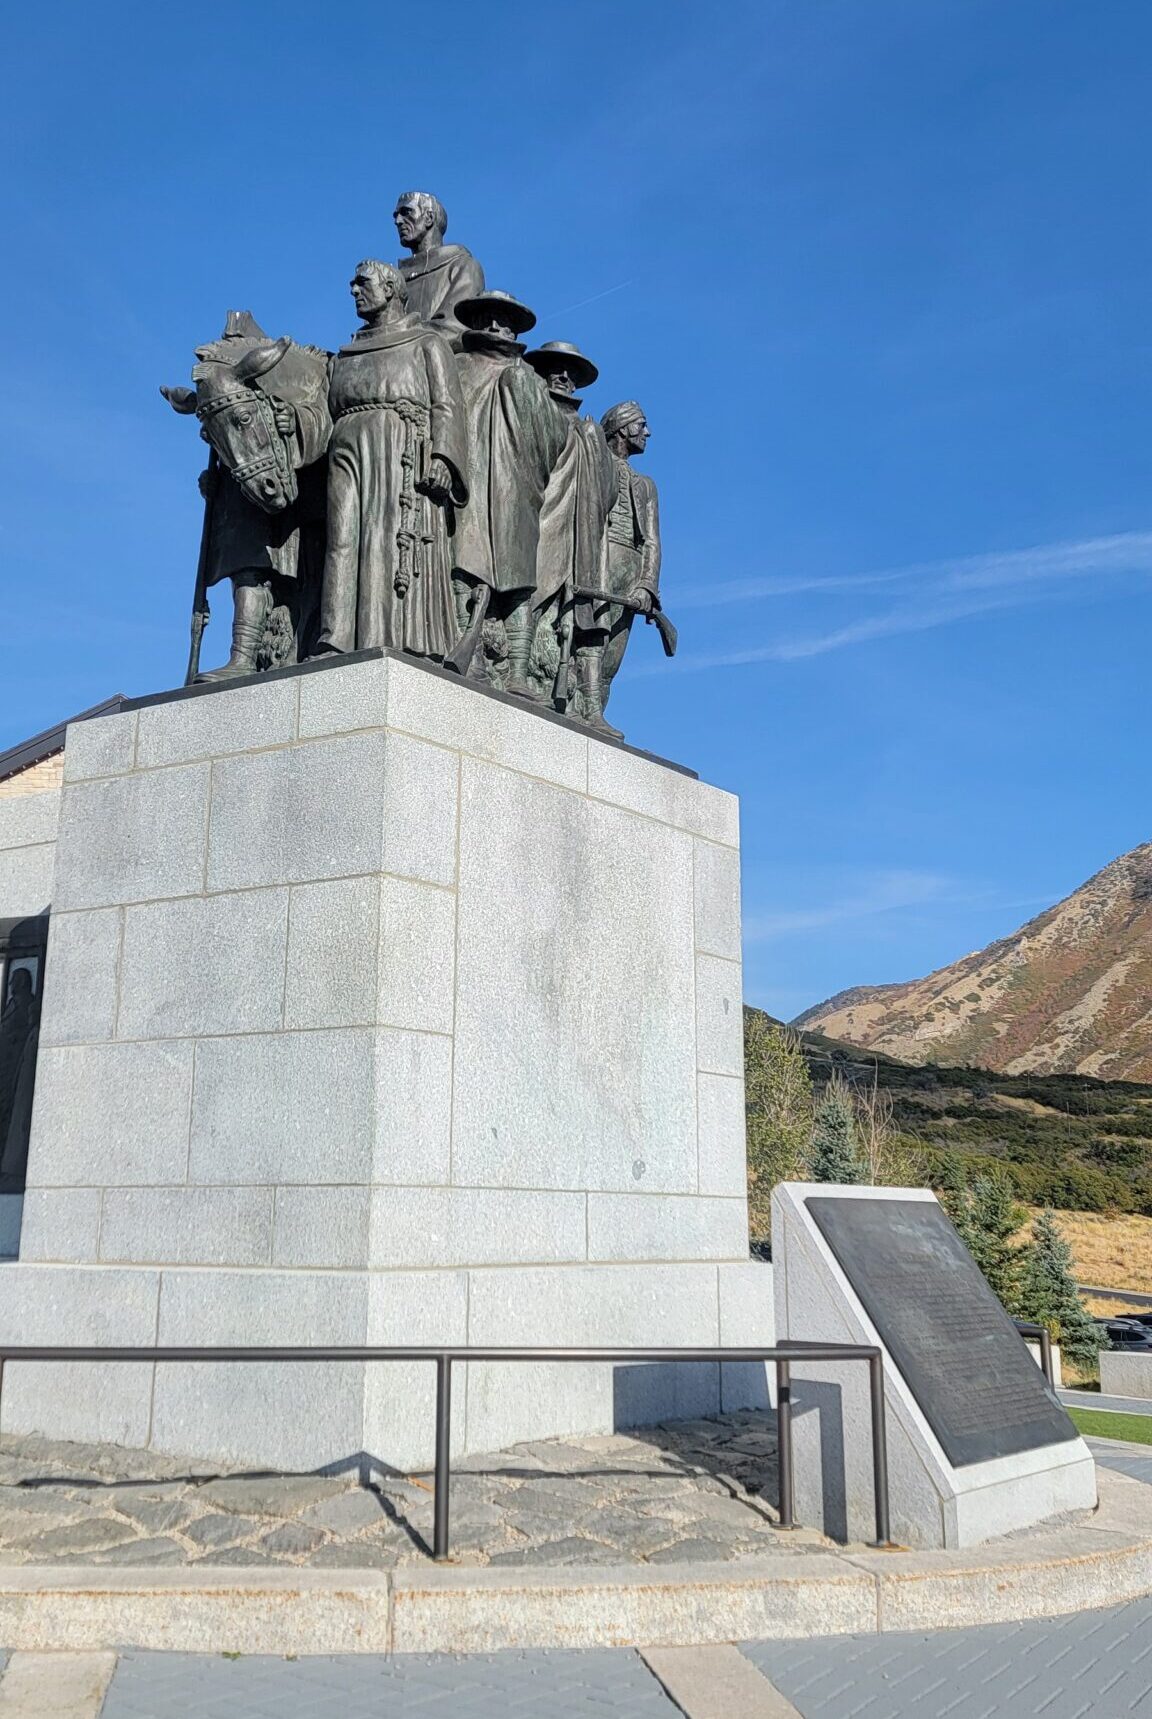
(642, 599)
(285, 417)
(207, 482)
(437, 485)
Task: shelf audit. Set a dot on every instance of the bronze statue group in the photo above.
(431, 487)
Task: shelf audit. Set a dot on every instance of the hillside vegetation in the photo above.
(1068, 1141)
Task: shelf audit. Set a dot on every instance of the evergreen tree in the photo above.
(995, 1219)
(778, 1111)
(1048, 1296)
(834, 1155)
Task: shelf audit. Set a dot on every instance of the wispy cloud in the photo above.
(929, 594)
(880, 892)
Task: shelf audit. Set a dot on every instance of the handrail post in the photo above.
(1046, 1355)
(443, 1455)
(879, 1450)
(784, 1441)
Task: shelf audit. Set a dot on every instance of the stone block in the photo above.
(717, 887)
(666, 1226)
(84, 963)
(474, 1226)
(655, 791)
(417, 956)
(747, 1321)
(61, 1225)
(642, 1306)
(421, 796)
(423, 1309)
(187, 1226)
(341, 697)
(211, 964)
(333, 935)
(318, 807)
(296, 1415)
(28, 820)
(212, 724)
(1125, 1373)
(283, 1108)
(722, 1134)
(719, 1016)
(111, 1114)
(84, 1401)
(26, 881)
(575, 932)
(132, 838)
(455, 714)
(413, 1083)
(102, 746)
(325, 1228)
(615, 1305)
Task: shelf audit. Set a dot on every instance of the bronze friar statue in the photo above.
(397, 470)
(437, 275)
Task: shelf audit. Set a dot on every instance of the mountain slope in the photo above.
(1070, 992)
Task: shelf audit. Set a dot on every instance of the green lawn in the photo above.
(1104, 1423)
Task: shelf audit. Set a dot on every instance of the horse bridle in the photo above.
(275, 460)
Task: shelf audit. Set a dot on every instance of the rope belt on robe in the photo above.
(417, 421)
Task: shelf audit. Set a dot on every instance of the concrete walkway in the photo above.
(1096, 1665)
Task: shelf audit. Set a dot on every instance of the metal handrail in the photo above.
(1027, 1328)
(445, 1358)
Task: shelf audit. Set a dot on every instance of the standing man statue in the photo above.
(580, 494)
(632, 541)
(515, 436)
(397, 469)
(437, 275)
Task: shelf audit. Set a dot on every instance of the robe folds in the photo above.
(396, 406)
(577, 501)
(439, 280)
(515, 437)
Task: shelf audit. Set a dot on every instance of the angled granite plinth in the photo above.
(379, 1008)
(978, 1446)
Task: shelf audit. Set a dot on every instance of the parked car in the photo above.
(1126, 1333)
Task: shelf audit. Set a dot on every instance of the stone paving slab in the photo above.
(589, 1685)
(681, 1493)
(1097, 1664)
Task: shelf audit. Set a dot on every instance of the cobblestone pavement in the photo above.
(1096, 1664)
(561, 1685)
(696, 1490)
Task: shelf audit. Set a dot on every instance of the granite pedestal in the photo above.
(978, 1445)
(379, 1009)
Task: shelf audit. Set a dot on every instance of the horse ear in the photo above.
(182, 400)
(260, 359)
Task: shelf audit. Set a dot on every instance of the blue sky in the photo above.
(878, 270)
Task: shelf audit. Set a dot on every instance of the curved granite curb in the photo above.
(470, 1610)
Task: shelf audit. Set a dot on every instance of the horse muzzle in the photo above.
(268, 483)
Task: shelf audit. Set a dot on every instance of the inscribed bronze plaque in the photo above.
(966, 1364)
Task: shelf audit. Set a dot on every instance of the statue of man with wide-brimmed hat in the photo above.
(515, 436)
(577, 501)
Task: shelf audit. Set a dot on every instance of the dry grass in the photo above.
(1114, 1253)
